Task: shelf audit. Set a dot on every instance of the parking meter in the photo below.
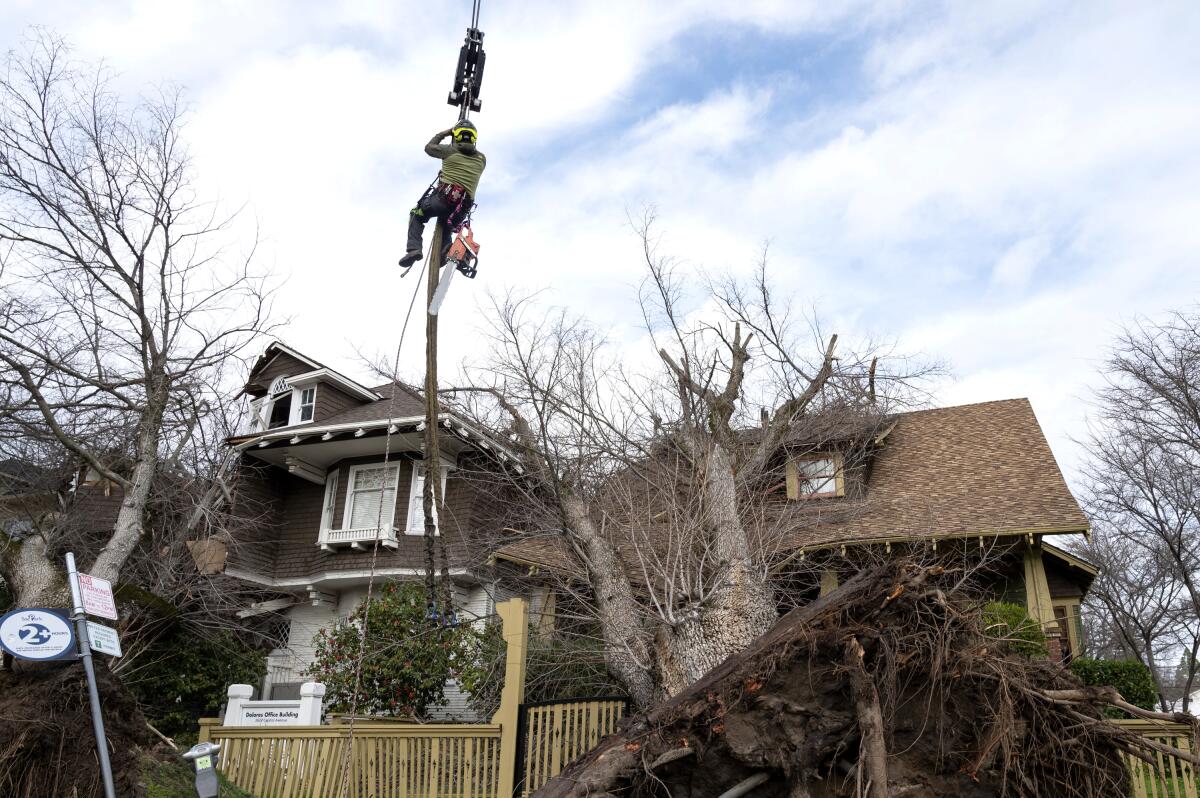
(202, 756)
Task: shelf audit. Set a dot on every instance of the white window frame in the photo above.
(416, 499)
(297, 408)
(388, 521)
(330, 503)
(258, 422)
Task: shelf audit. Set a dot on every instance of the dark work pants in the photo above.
(432, 206)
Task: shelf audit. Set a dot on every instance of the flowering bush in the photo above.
(406, 660)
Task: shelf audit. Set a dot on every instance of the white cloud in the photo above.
(1000, 184)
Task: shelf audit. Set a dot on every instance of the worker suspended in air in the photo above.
(452, 196)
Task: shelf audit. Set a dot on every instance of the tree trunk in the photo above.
(625, 649)
(872, 754)
(741, 608)
(127, 530)
(34, 579)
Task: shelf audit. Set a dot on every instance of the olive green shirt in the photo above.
(458, 168)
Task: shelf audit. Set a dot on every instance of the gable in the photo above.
(281, 364)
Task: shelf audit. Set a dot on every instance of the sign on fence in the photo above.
(241, 711)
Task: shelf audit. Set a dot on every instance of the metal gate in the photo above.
(552, 734)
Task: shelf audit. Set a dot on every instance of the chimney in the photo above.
(764, 417)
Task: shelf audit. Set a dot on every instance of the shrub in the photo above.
(182, 677)
(407, 658)
(556, 667)
(1131, 678)
(1012, 624)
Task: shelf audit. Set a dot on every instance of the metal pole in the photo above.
(85, 654)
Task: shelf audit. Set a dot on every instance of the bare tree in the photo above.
(1136, 608)
(120, 304)
(1143, 487)
(651, 479)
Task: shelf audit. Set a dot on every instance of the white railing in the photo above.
(356, 537)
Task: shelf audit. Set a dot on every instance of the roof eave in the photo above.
(1072, 529)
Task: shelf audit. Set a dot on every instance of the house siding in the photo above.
(258, 501)
(331, 401)
(301, 514)
(282, 365)
(470, 519)
(1063, 584)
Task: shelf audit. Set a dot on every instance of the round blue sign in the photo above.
(37, 634)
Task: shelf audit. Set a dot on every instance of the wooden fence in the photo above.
(555, 733)
(1173, 777)
(386, 760)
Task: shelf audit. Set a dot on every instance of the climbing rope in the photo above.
(471, 57)
(387, 451)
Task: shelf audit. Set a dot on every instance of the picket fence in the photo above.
(1170, 777)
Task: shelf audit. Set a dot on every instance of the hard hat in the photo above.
(464, 131)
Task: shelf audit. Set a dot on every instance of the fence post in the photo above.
(206, 724)
(514, 614)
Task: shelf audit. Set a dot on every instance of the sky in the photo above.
(998, 185)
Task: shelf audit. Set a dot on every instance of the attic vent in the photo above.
(280, 386)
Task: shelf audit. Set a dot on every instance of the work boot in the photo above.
(411, 257)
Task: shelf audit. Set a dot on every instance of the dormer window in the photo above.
(281, 411)
(280, 399)
(815, 476)
(307, 404)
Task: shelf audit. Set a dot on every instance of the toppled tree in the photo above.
(649, 483)
(120, 308)
(891, 685)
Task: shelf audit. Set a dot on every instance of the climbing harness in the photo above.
(458, 219)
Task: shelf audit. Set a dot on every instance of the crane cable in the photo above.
(432, 486)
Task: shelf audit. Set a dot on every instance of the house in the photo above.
(316, 451)
(977, 479)
(312, 462)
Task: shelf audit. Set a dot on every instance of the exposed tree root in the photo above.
(888, 687)
(46, 745)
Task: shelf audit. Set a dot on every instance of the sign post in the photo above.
(85, 654)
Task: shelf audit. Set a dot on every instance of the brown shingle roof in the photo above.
(980, 469)
(407, 402)
(957, 471)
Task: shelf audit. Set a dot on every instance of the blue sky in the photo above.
(997, 184)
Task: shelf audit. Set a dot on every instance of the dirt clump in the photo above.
(47, 748)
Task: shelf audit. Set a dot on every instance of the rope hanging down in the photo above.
(468, 81)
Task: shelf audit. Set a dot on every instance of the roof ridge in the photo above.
(1013, 400)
